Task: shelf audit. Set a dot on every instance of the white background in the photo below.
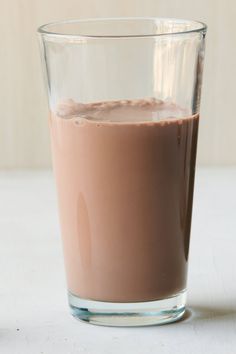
(24, 138)
(34, 316)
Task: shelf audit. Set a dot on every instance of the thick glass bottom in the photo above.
(129, 314)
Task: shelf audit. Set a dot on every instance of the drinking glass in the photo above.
(124, 96)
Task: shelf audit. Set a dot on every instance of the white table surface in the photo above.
(34, 318)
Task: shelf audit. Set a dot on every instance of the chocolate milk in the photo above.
(125, 175)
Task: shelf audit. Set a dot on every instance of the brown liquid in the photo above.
(125, 175)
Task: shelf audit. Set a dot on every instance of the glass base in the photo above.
(129, 314)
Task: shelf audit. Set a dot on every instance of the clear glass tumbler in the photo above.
(124, 97)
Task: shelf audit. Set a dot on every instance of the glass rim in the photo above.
(45, 29)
